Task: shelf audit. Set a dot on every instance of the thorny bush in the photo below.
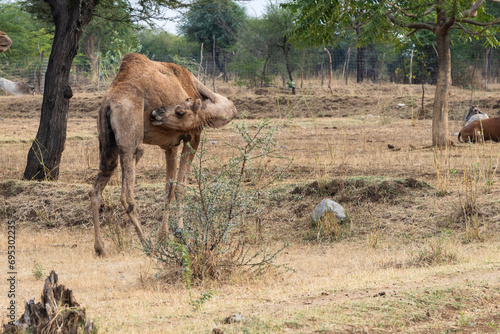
(214, 243)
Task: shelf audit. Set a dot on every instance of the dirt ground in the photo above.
(410, 260)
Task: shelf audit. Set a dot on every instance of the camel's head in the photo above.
(191, 115)
(182, 117)
(5, 42)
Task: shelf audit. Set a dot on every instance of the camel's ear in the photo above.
(196, 106)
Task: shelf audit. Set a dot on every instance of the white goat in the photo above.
(474, 114)
(15, 88)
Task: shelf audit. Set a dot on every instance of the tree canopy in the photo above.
(208, 19)
(324, 21)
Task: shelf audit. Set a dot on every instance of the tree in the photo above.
(213, 21)
(164, 46)
(44, 156)
(28, 35)
(279, 24)
(109, 17)
(70, 17)
(325, 20)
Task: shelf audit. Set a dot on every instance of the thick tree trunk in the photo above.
(44, 157)
(440, 133)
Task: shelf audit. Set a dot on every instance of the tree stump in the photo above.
(57, 312)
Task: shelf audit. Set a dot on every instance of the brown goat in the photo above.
(487, 129)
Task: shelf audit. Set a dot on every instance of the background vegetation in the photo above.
(249, 52)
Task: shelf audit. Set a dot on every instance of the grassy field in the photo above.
(419, 253)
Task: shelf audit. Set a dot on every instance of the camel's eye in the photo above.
(180, 113)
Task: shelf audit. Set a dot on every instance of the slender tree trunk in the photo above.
(322, 73)
(286, 51)
(263, 78)
(381, 74)
(302, 69)
(440, 133)
(411, 68)
(90, 52)
(331, 70)
(201, 61)
(213, 58)
(44, 156)
(346, 65)
(360, 65)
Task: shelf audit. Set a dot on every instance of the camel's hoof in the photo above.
(99, 251)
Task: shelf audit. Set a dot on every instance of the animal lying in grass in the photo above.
(15, 88)
(124, 124)
(483, 129)
(474, 114)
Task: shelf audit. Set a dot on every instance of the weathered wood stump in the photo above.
(57, 312)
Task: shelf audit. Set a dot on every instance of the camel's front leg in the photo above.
(128, 161)
(170, 156)
(187, 155)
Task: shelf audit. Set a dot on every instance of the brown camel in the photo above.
(5, 42)
(124, 123)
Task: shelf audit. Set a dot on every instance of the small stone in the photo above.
(237, 317)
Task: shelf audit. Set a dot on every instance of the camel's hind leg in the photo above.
(128, 161)
(108, 167)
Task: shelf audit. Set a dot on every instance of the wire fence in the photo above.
(477, 70)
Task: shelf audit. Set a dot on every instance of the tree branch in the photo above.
(472, 11)
(476, 33)
(418, 25)
(481, 24)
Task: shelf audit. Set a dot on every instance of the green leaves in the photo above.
(328, 22)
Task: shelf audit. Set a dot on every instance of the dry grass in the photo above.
(333, 288)
(409, 262)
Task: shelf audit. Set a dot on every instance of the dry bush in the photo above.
(211, 245)
(330, 227)
(434, 254)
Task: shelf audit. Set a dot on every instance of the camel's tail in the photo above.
(107, 142)
(459, 136)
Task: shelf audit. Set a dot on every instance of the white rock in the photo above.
(328, 205)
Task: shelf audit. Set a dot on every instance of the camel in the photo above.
(124, 124)
(5, 42)
(15, 88)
